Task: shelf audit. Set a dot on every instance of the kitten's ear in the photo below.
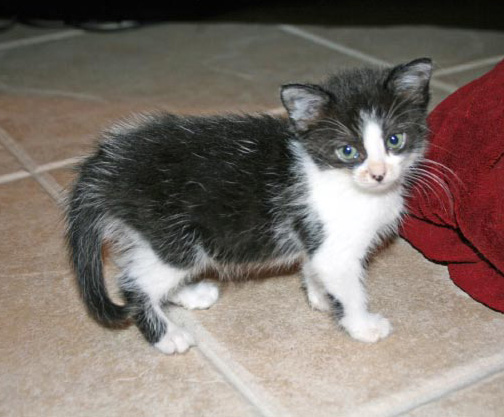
(305, 103)
(411, 79)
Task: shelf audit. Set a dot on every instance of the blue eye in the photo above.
(347, 153)
(396, 142)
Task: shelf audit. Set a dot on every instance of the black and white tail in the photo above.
(85, 241)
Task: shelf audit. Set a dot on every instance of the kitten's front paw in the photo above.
(175, 341)
(368, 328)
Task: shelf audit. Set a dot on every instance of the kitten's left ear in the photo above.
(305, 103)
(411, 79)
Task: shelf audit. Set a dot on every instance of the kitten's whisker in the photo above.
(426, 189)
(441, 182)
(403, 113)
(421, 185)
(391, 110)
(330, 129)
(416, 184)
(423, 176)
(432, 175)
(441, 175)
(396, 104)
(338, 124)
(442, 168)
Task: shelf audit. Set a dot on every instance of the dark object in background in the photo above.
(484, 14)
(105, 17)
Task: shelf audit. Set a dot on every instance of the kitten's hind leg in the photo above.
(315, 291)
(199, 296)
(157, 329)
(146, 283)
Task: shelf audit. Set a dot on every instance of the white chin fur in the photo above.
(377, 187)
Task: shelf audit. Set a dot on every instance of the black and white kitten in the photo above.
(180, 195)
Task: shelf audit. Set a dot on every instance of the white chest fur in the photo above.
(351, 217)
(353, 221)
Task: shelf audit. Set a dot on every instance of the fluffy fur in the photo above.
(178, 195)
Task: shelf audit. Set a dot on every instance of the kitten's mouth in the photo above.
(378, 186)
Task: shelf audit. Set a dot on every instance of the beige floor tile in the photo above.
(304, 361)
(483, 399)
(8, 164)
(446, 46)
(237, 68)
(465, 77)
(184, 65)
(437, 96)
(64, 176)
(59, 128)
(56, 361)
(30, 226)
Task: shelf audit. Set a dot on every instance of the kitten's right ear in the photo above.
(305, 103)
(412, 79)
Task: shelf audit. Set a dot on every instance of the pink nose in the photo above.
(377, 170)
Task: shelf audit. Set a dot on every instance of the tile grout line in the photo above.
(14, 176)
(477, 378)
(19, 175)
(237, 375)
(36, 40)
(354, 53)
(433, 389)
(293, 30)
(41, 92)
(473, 384)
(441, 85)
(46, 181)
(469, 65)
(61, 163)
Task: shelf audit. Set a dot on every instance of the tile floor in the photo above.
(262, 351)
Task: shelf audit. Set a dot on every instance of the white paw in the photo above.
(319, 301)
(198, 296)
(175, 341)
(367, 328)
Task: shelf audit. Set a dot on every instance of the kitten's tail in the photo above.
(85, 240)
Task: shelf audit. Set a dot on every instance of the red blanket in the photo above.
(462, 224)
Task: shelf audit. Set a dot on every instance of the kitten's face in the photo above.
(372, 123)
(385, 155)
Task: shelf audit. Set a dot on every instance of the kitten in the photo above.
(179, 195)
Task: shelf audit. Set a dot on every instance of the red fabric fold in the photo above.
(462, 223)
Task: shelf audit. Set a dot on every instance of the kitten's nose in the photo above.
(377, 170)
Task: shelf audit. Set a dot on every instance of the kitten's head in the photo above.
(369, 121)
